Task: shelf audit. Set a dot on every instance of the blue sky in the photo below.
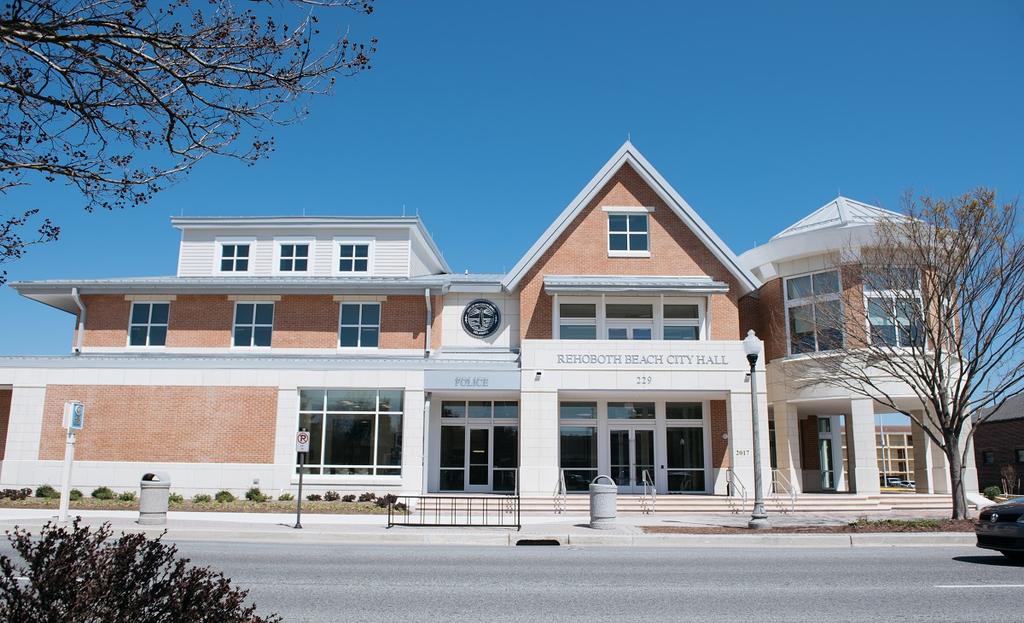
(487, 118)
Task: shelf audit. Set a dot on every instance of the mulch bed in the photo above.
(862, 527)
(238, 506)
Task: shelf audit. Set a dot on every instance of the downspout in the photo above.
(430, 314)
(81, 322)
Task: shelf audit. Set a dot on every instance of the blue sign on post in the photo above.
(74, 415)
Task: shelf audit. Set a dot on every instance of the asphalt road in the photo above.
(393, 583)
(484, 584)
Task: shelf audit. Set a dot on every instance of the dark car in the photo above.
(1001, 527)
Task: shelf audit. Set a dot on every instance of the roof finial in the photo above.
(628, 137)
(403, 209)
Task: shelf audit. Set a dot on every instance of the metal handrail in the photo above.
(780, 481)
(560, 493)
(650, 497)
(735, 489)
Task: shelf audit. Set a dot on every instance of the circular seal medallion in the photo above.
(481, 318)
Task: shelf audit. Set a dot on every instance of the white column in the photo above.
(923, 448)
(862, 448)
(413, 451)
(787, 443)
(741, 438)
(538, 442)
(937, 466)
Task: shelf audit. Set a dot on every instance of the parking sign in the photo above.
(302, 441)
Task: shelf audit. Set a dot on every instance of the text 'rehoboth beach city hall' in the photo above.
(612, 347)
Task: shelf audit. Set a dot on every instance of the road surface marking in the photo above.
(979, 586)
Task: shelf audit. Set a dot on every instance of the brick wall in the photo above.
(717, 427)
(766, 315)
(300, 321)
(809, 458)
(306, 322)
(582, 249)
(164, 424)
(1003, 438)
(199, 321)
(5, 418)
(106, 320)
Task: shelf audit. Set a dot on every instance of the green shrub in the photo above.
(46, 491)
(103, 493)
(286, 497)
(255, 495)
(223, 496)
(74, 573)
(127, 496)
(175, 498)
(367, 497)
(314, 497)
(348, 498)
(992, 492)
(384, 500)
(332, 496)
(75, 495)
(201, 498)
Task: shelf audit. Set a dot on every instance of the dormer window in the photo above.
(353, 257)
(294, 258)
(234, 258)
(628, 234)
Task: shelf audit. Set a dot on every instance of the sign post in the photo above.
(74, 419)
(302, 447)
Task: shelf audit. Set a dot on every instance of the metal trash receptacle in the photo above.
(155, 487)
(603, 500)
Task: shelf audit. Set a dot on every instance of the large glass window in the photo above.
(148, 324)
(630, 410)
(682, 322)
(353, 257)
(577, 321)
(894, 302)
(685, 459)
(254, 324)
(360, 325)
(353, 431)
(627, 233)
(294, 258)
(234, 258)
(630, 321)
(578, 451)
(814, 312)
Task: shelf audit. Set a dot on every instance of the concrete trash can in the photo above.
(155, 488)
(603, 500)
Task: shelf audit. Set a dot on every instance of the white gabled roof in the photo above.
(840, 212)
(629, 154)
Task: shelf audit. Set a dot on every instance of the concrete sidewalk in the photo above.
(563, 529)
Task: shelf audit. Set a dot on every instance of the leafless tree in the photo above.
(121, 97)
(931, 308)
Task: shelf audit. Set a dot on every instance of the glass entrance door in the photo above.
(828, 472)
(479, 460)
(631, 454)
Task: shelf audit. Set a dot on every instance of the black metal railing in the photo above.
(501, 511)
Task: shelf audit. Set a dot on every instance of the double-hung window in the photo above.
(360, 325)
(682, 321)
(148, 324)
(629, 321)
(254, 324)
(814, 312)
(894, 306)
(294, 257)
(234, 257)
(577, 321)
(353, 257)
(628, 234)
